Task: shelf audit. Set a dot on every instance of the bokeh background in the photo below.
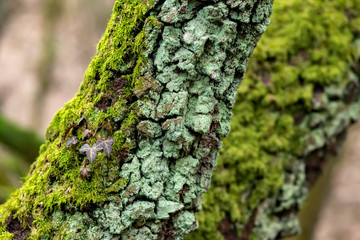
(45, 47)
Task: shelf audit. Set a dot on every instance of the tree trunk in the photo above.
(132, 154)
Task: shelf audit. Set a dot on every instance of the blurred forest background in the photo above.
(45, 47)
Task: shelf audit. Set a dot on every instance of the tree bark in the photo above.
(162, 87)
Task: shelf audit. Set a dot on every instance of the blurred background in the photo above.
(45, 47)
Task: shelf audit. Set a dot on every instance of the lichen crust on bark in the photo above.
(162, 85)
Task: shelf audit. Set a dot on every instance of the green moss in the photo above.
(6, 236)
(55, 180)
(307, 47)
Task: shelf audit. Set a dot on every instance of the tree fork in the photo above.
(162, 85)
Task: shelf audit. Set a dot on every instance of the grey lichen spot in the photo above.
(97, 233)
(186, 165)
(166, 207)
(110, 217)
(172, 104)
(185, 61)
(175, 131)
(172, 12)
(171, 149)
(177, 82)
(206, 102)
(76, 224)
(174, 186)
(168, 74)
(152, 190)
(139, 233)
(198, 122)
(185, 223)
(139, 212)
(238, 10)
(153, 166)
(169, 44)
(147, 109)
(223, 119)
(174, 128)
(262, 12)
(131, 170)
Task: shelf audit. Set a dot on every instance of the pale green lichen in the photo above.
(166, 207)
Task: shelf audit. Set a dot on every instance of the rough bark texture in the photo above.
(300, 94)
(162, 85)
